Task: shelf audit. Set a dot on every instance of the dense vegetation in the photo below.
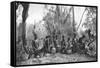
(58, 34)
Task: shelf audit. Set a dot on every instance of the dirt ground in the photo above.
(58, 58)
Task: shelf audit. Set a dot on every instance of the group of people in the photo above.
(51, 44)
(57, 43)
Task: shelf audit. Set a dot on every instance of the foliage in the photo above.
(90, 24)
(90, 21)
(58, 29)
(59, 21)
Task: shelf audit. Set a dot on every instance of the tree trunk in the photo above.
(24, 16)
(73, 23)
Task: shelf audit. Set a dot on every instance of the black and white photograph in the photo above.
(55, 33)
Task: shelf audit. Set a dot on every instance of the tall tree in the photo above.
(73, 23)
(24, 16)
(60, 18)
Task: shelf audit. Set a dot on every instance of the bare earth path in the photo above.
(58, 58)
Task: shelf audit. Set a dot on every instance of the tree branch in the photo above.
(81, 19)
(67, 15)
